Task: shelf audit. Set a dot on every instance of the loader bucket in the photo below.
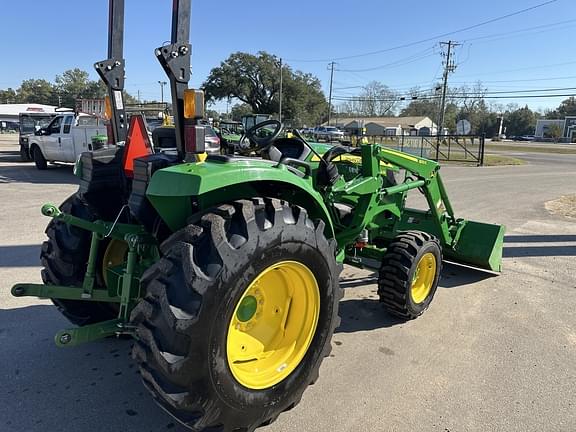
(479, 245)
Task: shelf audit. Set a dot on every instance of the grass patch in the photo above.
(499, 160)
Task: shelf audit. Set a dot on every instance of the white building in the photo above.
(380, 126)
(568, 126)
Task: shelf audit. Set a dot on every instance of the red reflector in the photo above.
(194, 138)
(137, 144)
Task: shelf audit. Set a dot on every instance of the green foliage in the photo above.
(37, 91)
(214, 115)
(566, 108)
(240, 110)
(554, 131)
(8, 96)
(255, 81)
(73, 84)
(519, 122)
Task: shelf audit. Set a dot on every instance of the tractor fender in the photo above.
(173, 190)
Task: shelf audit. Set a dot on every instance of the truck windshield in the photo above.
(30, 124)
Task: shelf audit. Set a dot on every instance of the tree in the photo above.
(8, 96)
(304, 102)
(375, 100)
(240, 110)
(519, 122)
(566, 108)
(255, 81)
(72, 85)
(37, 91)
(213, 114)
(554, 131)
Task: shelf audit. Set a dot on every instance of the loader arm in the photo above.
(464, 241)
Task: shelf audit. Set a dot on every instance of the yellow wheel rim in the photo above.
(423, 278)
(114, 255)
(273, 325)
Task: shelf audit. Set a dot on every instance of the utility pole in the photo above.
(331, 66)
(280, 109)
(162, 84)
(449, 67)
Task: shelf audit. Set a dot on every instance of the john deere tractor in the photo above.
(225, 269)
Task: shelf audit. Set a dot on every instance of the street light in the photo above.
(162, 84)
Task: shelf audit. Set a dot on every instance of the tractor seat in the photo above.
(281, 148)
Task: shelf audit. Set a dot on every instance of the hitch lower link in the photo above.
(124, 293)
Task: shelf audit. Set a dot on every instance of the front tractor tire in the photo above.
(409, 274)
(64, 257)
(238, 315)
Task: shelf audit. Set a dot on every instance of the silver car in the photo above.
(328, 133)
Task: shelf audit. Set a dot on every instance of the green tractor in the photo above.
(225, 269)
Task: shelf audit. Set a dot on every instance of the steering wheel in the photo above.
(264, 141)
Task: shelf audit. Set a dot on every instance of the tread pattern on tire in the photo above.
(168, 318)
(64, 257)
(393, 279)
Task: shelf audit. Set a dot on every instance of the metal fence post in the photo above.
(481, 148)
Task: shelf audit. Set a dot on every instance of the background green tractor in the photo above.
(225, 269)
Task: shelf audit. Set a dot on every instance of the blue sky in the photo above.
(528, 51)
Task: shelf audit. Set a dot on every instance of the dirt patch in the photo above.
(563, 206)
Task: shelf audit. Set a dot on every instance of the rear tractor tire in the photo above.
(238, 315)
(409, 275)
(64, 257)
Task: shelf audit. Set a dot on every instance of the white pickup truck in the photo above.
(64, 139)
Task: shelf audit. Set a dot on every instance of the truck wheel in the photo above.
(238, 315)
(409, 274)
(64, 256)
(24, 154)
(39, 158)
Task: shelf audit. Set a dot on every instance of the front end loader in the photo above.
(225, 269)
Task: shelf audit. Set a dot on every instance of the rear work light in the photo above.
(137, 144)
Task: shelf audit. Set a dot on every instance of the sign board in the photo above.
(463, 127)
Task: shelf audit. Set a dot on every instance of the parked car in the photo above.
(64, 139)
(523, 138)
(328, 133)
(164, 139)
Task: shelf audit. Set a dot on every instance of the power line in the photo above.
(401, 62)
(483, 23)
(401, 99)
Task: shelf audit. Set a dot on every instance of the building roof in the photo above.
(404, 122)
(15, 109)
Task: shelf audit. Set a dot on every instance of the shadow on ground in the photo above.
(20, 256)
(90, 388)
(10, 156)
(28, 173)
(560, 248)
(365, 314)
